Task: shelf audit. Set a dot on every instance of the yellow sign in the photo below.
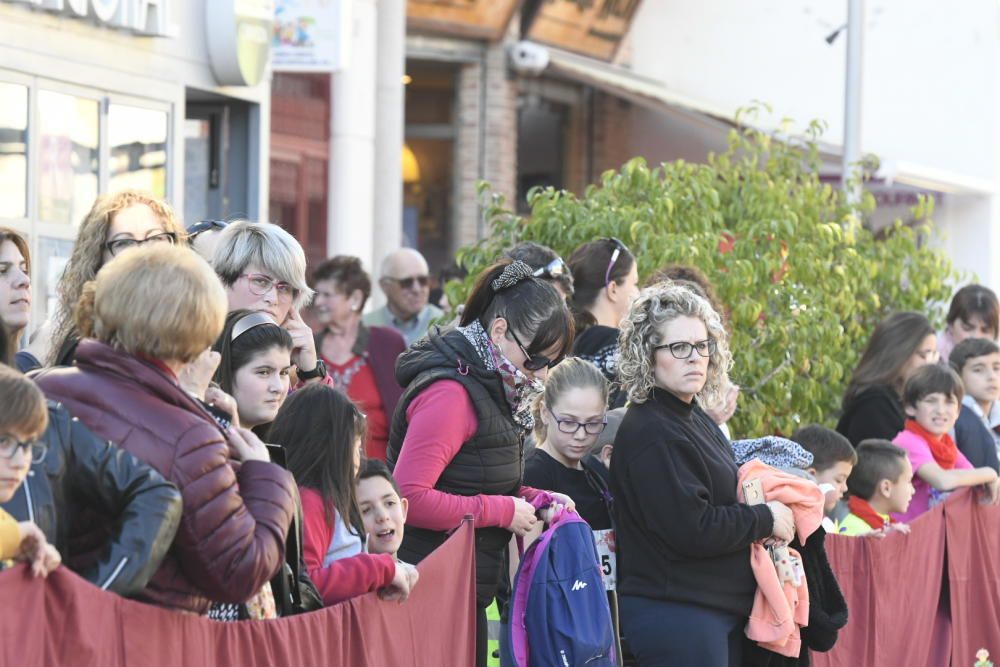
(475, 19)
(593, 28)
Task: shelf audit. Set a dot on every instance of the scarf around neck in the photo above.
(942, 447)
(518, 388)
(862, 509)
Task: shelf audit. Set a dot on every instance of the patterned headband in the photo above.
(512, 274)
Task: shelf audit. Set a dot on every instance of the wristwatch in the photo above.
(318, 372)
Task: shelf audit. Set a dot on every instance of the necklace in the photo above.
(341, 379)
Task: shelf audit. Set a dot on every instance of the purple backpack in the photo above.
(559, 613)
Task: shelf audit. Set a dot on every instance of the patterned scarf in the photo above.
(518, 388)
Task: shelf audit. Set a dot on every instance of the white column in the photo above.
(853, 80)
(389, 122)
(352, 141)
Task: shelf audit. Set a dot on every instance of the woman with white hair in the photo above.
(263, 268)
(684, 577)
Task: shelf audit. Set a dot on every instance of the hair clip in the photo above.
(512, 274)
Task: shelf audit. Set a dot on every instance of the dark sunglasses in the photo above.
(555, 269)
(408, 283)
(204, 226)
(533, 362)
(619, 248)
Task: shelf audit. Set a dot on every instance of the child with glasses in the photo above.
(23, 419)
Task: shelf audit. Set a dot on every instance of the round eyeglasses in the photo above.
(9, 446)
(684, 350)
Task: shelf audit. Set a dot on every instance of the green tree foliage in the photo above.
(805, 282)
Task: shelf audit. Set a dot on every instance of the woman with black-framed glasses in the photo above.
(456, 438)
(684, 580)
(606, 281)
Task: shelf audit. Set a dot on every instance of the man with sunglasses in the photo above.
(406, 283)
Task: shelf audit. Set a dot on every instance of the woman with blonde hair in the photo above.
(116, 223)
(684, 580)
(124, 387)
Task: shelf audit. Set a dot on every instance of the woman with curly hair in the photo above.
(684, 577)
(116, 223)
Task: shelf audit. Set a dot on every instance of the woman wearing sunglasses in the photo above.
(684, 580)
(115, 224)
(606, 281)
(455, 441)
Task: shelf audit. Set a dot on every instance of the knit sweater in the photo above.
(682, 536)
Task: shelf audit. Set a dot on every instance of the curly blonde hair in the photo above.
(88, 254)
(641, 332)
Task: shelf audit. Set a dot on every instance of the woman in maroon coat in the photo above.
(151, 311)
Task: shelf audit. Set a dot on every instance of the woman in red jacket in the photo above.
(323, 431)
(138, 334)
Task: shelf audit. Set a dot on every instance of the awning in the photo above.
(628, 85)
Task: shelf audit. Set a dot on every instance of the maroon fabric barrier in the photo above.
(64, 620)
(928, 598)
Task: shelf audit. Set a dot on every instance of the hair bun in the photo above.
(512, 274)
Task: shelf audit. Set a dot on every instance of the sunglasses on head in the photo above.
(204, 226)
(533, 362)
(619, 248)
(408, 283)
(555, 269)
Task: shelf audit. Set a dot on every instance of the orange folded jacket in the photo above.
(780, 608)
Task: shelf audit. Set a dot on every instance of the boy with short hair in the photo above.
(383, 509)
(977, 361)
(880, 485)
(23, 419)
(931, 398)
(833, 460)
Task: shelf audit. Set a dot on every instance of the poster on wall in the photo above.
(593, 28)
(310, 35)
(475, 19)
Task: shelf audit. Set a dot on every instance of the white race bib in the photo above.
(605, 541)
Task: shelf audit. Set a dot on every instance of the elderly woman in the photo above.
(684, 577)
(361, 360)
(116, 223)
(263, 268)
(124, 387)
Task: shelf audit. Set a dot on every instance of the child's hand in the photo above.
(36, 550)
(991, 493)
(900, 528)
(402, 583)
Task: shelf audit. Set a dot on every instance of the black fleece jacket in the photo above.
(682, 536)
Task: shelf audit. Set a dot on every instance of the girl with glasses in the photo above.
(606, 282)
(569, 416)
(115, 224)
(685, 585)
(456, 439)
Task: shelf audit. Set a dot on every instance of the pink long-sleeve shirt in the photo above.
(441, 419)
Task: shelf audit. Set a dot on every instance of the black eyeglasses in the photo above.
(555, 269)
(204, 226)
(9, 445)
(619, 248)
(533, 362)
(571, 427)
(684, 350)
(120, 245)
(408, 283)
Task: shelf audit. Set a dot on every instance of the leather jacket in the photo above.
(80, 472)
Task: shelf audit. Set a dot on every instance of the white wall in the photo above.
(930, 93)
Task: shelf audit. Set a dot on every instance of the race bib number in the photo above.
(605, 541)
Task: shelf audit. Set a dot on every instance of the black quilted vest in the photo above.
(490, 462)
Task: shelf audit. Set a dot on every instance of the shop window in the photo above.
(13, 151)
(137, 141)
(540, 146)
(68, 145)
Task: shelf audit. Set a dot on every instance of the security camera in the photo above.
(529, 58)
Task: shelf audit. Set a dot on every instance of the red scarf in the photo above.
(863, 510)
(942, 446)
